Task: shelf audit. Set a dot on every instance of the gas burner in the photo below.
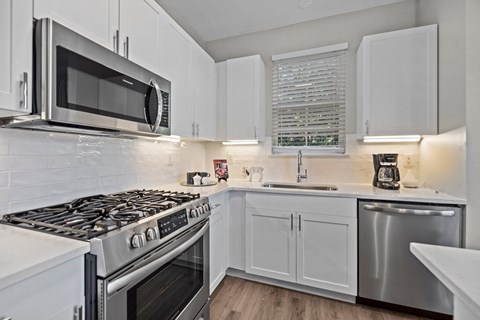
(91, 216)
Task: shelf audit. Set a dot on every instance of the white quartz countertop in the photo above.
(458, 269)
(359, 191)
(25, 253)
(34, 252)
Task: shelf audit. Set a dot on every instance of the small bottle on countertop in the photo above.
(197, 180)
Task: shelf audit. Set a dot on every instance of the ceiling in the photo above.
(217, 19)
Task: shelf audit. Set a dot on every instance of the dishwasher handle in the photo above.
(412, 212)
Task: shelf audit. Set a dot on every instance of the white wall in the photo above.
(473, 122)
(39, 169)
(326, 31)
(443, 162)
(450, 17)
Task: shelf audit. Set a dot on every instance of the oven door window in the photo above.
(85, 85)
(166, 292)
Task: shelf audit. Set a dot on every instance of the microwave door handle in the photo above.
(158, 119)
(144, 271)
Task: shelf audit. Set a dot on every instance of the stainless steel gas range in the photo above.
(149, 251)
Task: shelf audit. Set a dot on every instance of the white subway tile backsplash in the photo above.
(17, 163)
(65, 161)
(355, 166)
(34, 177)
(3, 147)
(4, 195)
(4, 209)
(4, 178)
(40, 168)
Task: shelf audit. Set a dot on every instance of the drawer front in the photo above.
(346, 207)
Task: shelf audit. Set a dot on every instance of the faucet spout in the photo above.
(300, 176)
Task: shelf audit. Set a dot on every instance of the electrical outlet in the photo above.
(408, 160)
(170, 161)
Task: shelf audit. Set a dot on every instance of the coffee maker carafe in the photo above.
(386, 175)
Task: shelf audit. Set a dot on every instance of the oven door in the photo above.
(171, 283)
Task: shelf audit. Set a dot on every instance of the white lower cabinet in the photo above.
(270, 244)
(55, 294)
(307, 240)
(218, 241)
(326, 252)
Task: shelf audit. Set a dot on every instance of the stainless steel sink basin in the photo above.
(320, 187)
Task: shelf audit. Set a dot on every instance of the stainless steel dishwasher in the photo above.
(388, 271)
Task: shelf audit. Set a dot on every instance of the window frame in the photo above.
(312, 150)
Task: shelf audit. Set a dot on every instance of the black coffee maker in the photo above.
(386, 175)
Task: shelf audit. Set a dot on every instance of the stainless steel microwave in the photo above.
(82, 86)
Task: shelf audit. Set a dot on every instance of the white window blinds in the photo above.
(308, 101)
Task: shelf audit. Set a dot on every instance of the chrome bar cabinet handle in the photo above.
(116, 41)
(24, 83)
(299, 222)
(291, 221)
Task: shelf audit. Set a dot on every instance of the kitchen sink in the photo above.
(320, 187)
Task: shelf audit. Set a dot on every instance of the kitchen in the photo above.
(44, 168)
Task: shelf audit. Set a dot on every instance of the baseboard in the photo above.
(217, 282)
(292, 286)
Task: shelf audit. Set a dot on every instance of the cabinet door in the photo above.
(174, 65)
(242, 97)
(94, 19)
(204, 86)
(327, 252)
(270, 244)
(218, 241)
(47, 294)
(15, 57)
(398, 82)
(139, 21)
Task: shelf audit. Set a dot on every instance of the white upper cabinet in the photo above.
(203, 82)
(139, 21)
(143, 32)
(192, 74)
(94, 19)
(174, 65)
(397, 83)
(245, 98)
(15, 57)
(128, 27)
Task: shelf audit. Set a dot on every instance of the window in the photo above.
(308, 101)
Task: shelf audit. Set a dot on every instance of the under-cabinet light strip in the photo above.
(240, 142)
(386, 139)
(169, 138)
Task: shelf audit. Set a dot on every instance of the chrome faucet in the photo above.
(300, 176)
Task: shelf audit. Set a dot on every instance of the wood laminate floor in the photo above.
(239, 299)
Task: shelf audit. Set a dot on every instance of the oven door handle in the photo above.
(142, 272)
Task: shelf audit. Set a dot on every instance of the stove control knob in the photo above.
(206, 207)
(138, 240)
(152, 233)
(200, 210)
(193, 213)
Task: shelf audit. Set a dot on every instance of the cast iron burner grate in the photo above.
(89, 217)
